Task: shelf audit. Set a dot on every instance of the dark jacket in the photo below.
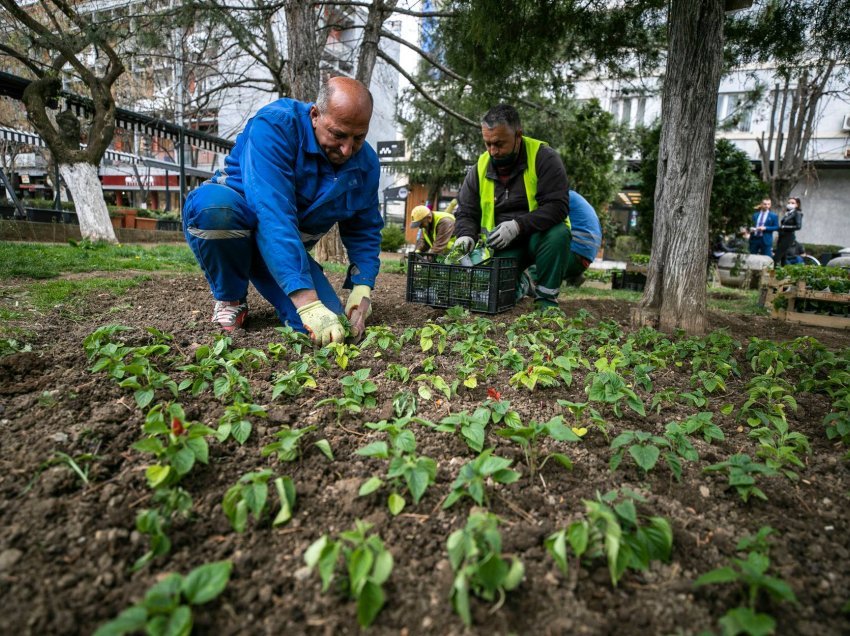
(511, 203)
(791, 221)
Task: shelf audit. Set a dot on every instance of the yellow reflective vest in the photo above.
(487, 189)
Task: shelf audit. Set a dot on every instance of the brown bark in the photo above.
(379, 11)
(304, 48)
(675, 293)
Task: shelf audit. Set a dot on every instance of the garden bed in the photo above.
(67, 549)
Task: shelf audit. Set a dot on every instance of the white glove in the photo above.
(322, 324)
(503, 235)
(464, 244)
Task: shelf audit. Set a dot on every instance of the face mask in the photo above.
(507, 160)
(791, 206)
(504, 162)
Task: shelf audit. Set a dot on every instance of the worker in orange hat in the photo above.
(437, 228)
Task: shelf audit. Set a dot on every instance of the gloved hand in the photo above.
(464, 244)
(357, 309)
(503, 235)
(322, 324)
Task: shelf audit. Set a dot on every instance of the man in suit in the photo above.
(765, 223)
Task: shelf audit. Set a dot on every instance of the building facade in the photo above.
(745, 108)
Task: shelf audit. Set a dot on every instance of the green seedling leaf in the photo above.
(370, 485)
(206, 582)
(395, 503)
(324, 446)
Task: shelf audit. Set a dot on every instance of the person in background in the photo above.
(436, 230)
(790, 222)
(765, 223)
(518, 195)
(296, 170)
(584, 246)
(794, 254)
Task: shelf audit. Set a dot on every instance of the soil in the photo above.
(66, 550)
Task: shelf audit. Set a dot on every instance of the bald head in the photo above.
(343, 92)
(341, 118)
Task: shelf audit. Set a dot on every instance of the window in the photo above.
(629, 111)
(734, 111)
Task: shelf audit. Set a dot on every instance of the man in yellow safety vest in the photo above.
(437, 229)
(518, 196)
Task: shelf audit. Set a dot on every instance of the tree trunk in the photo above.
(675, 293)
(81, 179)
(304, 48)
(379, 11)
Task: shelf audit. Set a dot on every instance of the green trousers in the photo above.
(549, 252)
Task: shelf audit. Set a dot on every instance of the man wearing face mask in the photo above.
(518, 194)
(296, 170)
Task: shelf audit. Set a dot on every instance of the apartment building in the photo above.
(744, 110)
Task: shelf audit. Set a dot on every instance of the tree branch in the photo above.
(423, 92)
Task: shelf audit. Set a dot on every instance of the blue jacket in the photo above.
(586, 229)
(771, 225)
(298, 195)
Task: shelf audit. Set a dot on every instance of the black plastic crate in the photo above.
(489, 287)
(629, 281)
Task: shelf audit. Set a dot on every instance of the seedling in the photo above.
(701, 424)
(146, 380)
(231, 386)
(471, 427)
(343, 353)
(366, 566)
(743, 472)
(614, 529)
(769, 397)
(175, 443)
(294, 381)
(533, 375)
(530, 437)
(608, 387)
(585, 415)
(837, 421)
(404, 404)
(782, 449)
(432, 336)
(288, 446)
(235, 423)
(167, 605)
(155, 522)
(438, 383)
(358, 393)
(405, 468)
(475, 474)
(512, 360)
(475, 554)
(290, 340)
(397, 372)
(750, 573)
(645, 449)
(250, 495)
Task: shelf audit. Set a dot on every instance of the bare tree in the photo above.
(675, 293)
(784, 147)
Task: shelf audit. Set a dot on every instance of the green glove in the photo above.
(322, 324)
(358, 293)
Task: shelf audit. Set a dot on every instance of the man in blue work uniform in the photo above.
(295, 171)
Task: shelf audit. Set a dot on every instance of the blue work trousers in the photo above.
(219, 227)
